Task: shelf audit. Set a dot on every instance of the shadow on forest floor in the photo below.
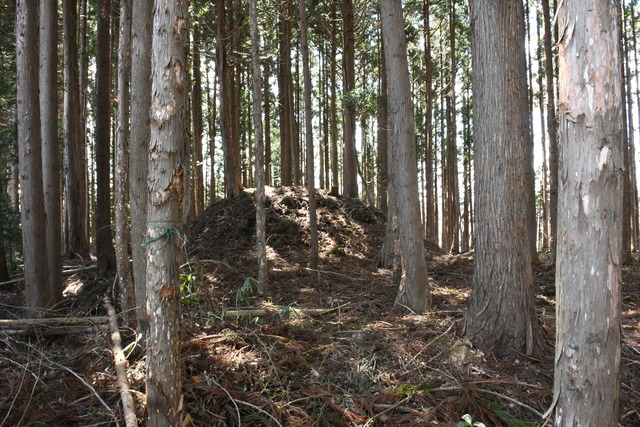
(350, 364)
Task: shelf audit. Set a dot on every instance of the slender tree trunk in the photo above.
(431, 216)
(349, 166)
(141, 39)
(414, 294)
(49, 125)
(335, 183)
(89, 198)
(308, 115)
(552, 128)
(228, 131)
(589, 248)
(104, 241)
(261, 240)
(166, 157)
(198, 184)
(634, 180)
(383, 132)
(32, 210)
(268, 177)
(213, 130)
(626, 194)
(545, 170)
(529, 171)
(76, 182)
(501, 317)
(128, 300)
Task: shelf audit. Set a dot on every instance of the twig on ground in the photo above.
(82, 380)
(121, 368)
(436, 339)
(257, 408)
(334, 273)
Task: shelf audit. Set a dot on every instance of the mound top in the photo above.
(346, 227)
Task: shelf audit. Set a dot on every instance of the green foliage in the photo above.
(508, 419)
(249, 287)
(287, 312)
(189, 289)
(468, 422)
(365, 102)
(407, 391)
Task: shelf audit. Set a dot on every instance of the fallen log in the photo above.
(121, 368)
(276, 309)
(52, 322)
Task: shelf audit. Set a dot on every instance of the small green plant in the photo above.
(468, 422)
(189, 289)
(287, 311)
(249, 287)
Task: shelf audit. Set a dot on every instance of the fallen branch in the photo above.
(256, 312)
(53, 322)
(120, 361)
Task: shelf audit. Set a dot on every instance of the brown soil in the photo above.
(355, 365)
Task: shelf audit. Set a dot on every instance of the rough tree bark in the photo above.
(308, 115)
(261, 239)
(77, 242)
(383, 133)
(501, 316)
(32, 213)
(414, 294)
(166, 157)
(349, 166)
(589, 246)
(230, 144)
(198, 175)
(121, 178)
(104, 240)
(49, 126)
(552, 127)
(141, 25)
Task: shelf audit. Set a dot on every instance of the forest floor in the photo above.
(319, 348)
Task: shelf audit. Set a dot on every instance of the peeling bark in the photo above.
(589, 246)
(166, 157)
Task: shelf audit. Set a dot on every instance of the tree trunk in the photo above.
(32, 210)
(501, 317)
(213, 130)
(431, 222)
(76, 182)
(383, 133)
(104, 241)
(49, 125)
(552, 128)
(287, 129)
(261, 240)
(451, 198)
(634, 191)
(127, 293)
(589, 248)
(414, 294)
(198, 176)
(544, 219)
(308, 115)
(349, 166)
(268, 172)
(230, 142)
(335, 183)
(141, 25)
(166, 157)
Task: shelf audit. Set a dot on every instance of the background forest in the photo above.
(314, 169)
